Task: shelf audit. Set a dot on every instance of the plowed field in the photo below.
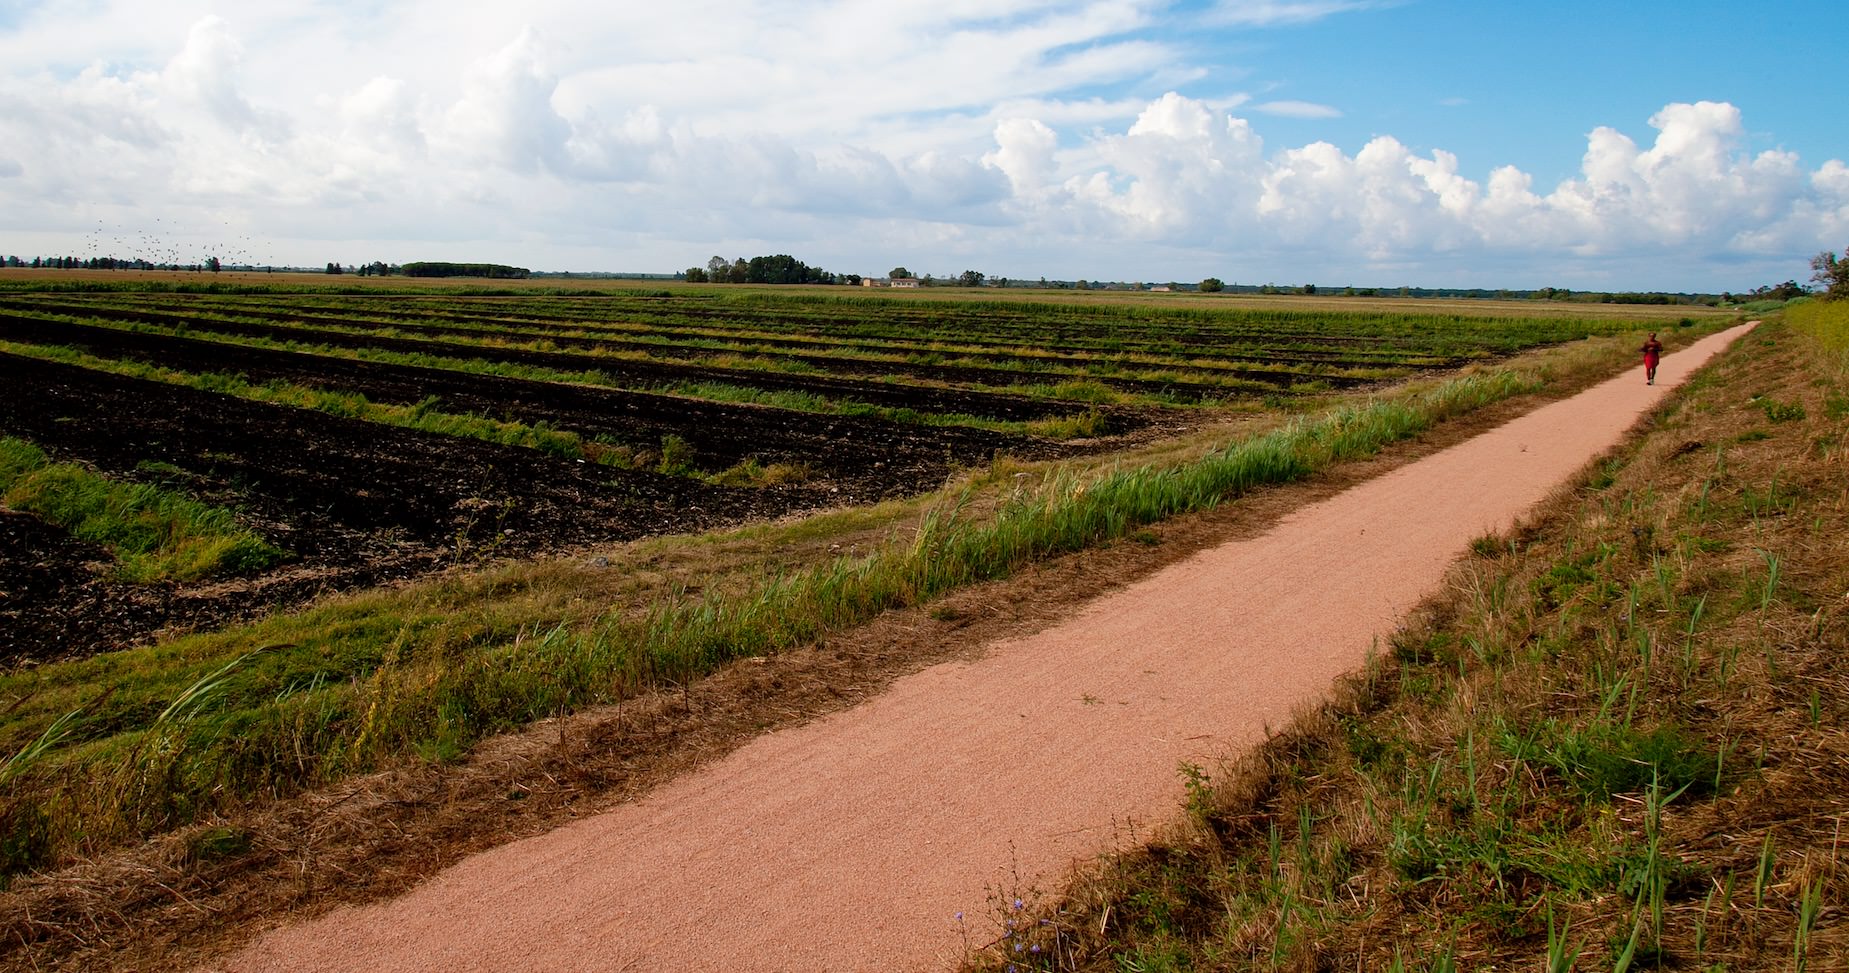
(850, 399)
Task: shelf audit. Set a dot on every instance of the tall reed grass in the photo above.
(1826, 323)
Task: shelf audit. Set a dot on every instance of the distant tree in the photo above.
(899, 271)
(333, 268)
(1309, 288)
(852, 280)
(970, 278)
(1832, 272)
(1000, 281)
(1779, 292)
(1212, 285)
(211, 264)
(1083, 285)
(444, 268)
(777, 268)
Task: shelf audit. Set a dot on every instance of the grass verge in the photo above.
(1616, 742)
(154, 534)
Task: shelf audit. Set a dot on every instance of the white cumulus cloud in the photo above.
(1015, 135)
(1191, 176)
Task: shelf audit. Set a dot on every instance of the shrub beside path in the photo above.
(854, 842)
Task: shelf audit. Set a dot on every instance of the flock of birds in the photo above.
(153, 245)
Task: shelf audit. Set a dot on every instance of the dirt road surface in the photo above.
(853, 842)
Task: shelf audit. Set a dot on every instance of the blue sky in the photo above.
(1533, 79)
(1687, 146)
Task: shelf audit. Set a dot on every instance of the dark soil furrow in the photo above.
(629, 371)
(869, 457)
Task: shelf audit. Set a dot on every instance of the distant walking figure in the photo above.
(1653, 350)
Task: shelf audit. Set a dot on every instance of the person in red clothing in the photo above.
(1653, 350)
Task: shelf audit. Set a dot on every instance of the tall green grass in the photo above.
(154, 533)
(1827, 323)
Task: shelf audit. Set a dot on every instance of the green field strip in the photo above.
(717, 391)
(1269, 325)
(154, 533)
(347, 405)
(1139, 366)
(1169, 341)
(1083, 421)
(758, 341)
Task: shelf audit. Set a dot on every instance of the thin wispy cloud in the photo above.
(1271, 13)
(1297, 109)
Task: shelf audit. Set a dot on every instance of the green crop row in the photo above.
(793, 400)
(650, 324)
(1111, 328)
(154, 533)
(1032, 374)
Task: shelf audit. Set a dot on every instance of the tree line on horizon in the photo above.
(779, 268)
(1830, 276)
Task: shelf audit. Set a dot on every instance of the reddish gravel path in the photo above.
(850, 843)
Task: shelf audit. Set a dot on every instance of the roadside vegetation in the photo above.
(154, 534)
(1615, 742)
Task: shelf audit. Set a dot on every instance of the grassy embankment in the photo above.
(1617, 741)
(128, 744)
(154, 534)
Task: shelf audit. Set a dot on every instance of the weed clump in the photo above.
(154, 533)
